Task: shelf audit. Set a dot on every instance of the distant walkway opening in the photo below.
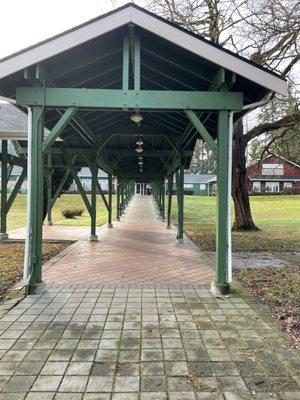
(138, 250)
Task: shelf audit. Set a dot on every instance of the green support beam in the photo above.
(102, 195)
(36, 187)
(218, 81)
(180, 200)
(16, 190)
(201, 129)
(4, 174)
(118, 199)
(94, 172)
(115, 152)
(113, 98)
(62, 183)
(58, 128)
(79, 185)
(169, 205)
(110, 201)
(49, 190)
(98, 186)
(14, 160)
(163, 202)
(137, 63)
(221, 283)
(125, 78)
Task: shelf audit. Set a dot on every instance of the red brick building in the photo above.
(273, 174)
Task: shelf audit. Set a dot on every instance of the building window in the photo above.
(202, 186)
(272, 187)
(272, 169)
(188, 186)
(287, 185)
(256, 187)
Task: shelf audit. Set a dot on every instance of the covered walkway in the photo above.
(129, 93)
(138, 250)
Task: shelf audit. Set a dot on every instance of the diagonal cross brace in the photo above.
(78, 183)
(99, 186)
(15, 190)
(201, 129)
(58, 128)
(62, 183)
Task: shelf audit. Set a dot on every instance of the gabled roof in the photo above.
(199, 178)
(276, 156)
(284, 159)
(272, 178)
(130, 13)
(13, 121)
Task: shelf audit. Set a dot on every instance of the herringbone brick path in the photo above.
(138, 250)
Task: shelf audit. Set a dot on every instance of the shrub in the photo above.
(70, 213)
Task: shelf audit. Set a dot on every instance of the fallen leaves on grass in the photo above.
(278, 288)
(11, 262)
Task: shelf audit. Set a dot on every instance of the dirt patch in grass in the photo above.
(11, 262)
(278, 288)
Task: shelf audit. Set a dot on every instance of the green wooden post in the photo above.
(160, 199)
(221, 284)
(180, 200)
(169, 205)
(122, 196)
(94, 171)
(125, 76)
(110, 225)
(36, 217)
(49, 191)
(118, 199)
(163, 197)
(4, 177)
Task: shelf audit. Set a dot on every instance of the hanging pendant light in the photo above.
(139, 150)
(139, 142)
(136, 117)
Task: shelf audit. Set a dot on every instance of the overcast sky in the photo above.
(25, 22)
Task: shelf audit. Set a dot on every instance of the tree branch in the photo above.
(287, 121)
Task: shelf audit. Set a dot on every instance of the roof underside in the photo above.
(164, 66)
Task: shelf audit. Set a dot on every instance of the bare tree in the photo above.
(265, 31)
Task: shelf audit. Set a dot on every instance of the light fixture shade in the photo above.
(140, 158)
(139, 150)
(136, 117)
(139, 142)
(140, 163)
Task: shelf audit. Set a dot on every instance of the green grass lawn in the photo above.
(278, 288)
(17, 214)
(278, 217)
(11, 262)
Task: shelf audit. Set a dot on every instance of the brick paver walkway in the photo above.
(55, 232)
(138, 250)
(141, 342)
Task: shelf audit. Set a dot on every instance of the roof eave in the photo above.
(153, 24)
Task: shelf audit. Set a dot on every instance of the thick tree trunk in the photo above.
(242, 211)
